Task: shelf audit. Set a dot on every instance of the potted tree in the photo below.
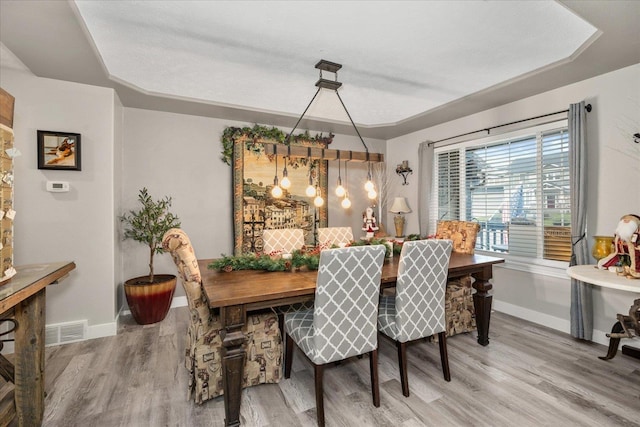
(149, 297)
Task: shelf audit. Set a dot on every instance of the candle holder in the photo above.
(403, 170)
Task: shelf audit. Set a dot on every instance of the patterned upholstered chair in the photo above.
(339, 236)
(417, 309)
(285, 240)
(459, 295)
(342, 323)
(204, 344)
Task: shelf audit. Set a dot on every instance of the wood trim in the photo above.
(7, 102)
(322, 153)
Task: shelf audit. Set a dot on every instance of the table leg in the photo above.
(29, 360)
(482, 303)
(233, 358)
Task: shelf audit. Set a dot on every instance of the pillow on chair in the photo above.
(462, 233)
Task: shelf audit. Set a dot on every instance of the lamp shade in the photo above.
(399, 206)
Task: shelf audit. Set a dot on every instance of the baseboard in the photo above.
(557, 323)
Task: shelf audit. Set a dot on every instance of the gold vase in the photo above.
(602, 246)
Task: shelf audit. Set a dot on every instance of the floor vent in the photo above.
(62, 333)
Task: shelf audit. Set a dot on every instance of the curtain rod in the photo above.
(488, 130)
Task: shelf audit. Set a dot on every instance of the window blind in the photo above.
(516, 188)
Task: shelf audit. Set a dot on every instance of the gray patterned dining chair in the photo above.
(285, 241)
(282, 241)
(338, 236)
(342, 323)
(417, 308)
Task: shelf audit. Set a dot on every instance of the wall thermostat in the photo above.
(57, 186)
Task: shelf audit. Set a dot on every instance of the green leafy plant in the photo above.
(149, 223)
(257, 134)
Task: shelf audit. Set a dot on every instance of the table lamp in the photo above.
(399, 207)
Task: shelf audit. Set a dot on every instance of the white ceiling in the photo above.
(400, 58)
(406, 65)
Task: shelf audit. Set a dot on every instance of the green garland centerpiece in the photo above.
(309, 258)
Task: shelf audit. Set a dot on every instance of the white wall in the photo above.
(179, 156)
(74, 226)
(614, 174)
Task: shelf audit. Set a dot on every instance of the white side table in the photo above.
(607, 279)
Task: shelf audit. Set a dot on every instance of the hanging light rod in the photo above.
(334, 85)
(321, 153)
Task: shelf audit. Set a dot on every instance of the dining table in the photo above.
(236, 293)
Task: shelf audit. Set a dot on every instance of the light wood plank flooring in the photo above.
(527, 376)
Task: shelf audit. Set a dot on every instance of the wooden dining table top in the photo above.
(225, 289)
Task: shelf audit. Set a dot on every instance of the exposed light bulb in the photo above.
(310, 191)
(285, 183)
(276, 191)
(346, 203)
(340, 191)
(368, 186)
(372, 194)
(318, 201)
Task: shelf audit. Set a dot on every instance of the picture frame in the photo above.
(253, 208)
(59, 150)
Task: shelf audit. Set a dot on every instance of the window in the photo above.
(516, 186)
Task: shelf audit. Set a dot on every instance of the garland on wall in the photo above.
(257, 134)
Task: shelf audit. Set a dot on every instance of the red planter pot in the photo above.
(150, 302)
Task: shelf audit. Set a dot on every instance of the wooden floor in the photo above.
(527, 376)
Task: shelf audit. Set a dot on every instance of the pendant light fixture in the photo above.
(276, 191)
(286, 182)
(346, 203)
(334, 85)
(318, 201)
(311, 189)
(340, 191)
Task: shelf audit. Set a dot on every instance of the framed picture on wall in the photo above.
(59, 150)
(254, 207)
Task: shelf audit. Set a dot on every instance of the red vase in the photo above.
(150, 302)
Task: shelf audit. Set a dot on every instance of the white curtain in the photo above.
(425, 154)
(581, 299)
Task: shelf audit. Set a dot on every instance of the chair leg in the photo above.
(375, 387)
(288, 359)
(402, 364)
(444, 357)
(319, 371)
(281, 327)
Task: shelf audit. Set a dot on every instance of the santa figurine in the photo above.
(369, 224)
(626, 247)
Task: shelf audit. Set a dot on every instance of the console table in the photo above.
(22, 298)
(607, 279)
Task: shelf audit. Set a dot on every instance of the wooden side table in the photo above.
(23, 299)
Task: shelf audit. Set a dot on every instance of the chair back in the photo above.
(346, 302)
(420, 288)
(285, 240)
(177, 243)
(339, 236)
(462, 233)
